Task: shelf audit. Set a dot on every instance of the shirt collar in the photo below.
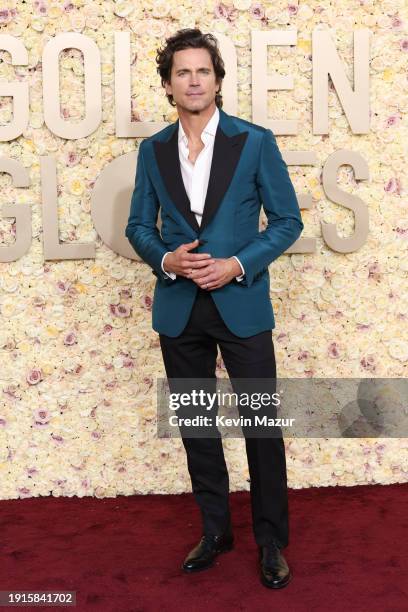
(210, 128)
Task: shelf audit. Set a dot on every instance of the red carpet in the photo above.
(348, 551)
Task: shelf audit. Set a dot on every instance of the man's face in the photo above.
(192, 80)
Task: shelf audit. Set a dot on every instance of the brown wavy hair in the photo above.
(184, 39)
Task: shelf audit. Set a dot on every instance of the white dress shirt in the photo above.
(196, 176)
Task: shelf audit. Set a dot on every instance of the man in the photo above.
(208, 173)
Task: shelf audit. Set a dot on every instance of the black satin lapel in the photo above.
(226, 154)
(167, 157)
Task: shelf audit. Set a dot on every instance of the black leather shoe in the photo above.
(275, 573)
(202, 556)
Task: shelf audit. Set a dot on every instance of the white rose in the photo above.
(398, 349)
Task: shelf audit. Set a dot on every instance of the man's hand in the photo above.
(215, 275)
(181, 262)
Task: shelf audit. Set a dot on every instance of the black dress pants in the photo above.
(193, 355)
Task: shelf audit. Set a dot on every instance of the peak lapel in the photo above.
(167, 157)
(226, 155)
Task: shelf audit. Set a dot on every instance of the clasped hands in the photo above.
(207, 272)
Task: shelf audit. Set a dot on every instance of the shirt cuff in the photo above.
(241, 277)
(171, 275)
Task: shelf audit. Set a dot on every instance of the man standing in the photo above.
(208, 173)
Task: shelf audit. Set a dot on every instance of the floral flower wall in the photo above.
(79, 360)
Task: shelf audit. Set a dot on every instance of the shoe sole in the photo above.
(276, 586)
(201, 569)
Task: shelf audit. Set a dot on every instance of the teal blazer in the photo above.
(247, 170)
